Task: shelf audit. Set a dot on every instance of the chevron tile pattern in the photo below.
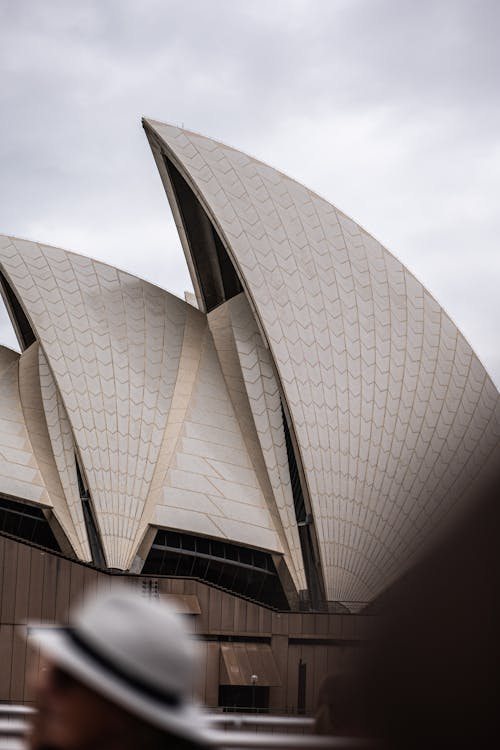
(129, 378)
(176, 416)
(393, 413)
(208, 483)
(113, 344)
(30, 393)
(249, 373)
(19, 471)
(64, 450)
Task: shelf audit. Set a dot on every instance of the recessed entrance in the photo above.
(244, 698)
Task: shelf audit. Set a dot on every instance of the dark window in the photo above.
(244, 698)
(241, 570)
(95, 544)
(216, 274)
(301, 687)
(26, 522)
(304, 522)
(298, 495)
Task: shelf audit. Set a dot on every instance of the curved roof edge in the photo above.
(393, 412)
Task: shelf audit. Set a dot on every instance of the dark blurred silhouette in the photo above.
(338, 706)
(430, 679)
(430, 675)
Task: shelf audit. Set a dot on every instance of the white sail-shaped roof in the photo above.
(20, 474)
(319, 405)
(29, 460)
(125, 379)
(113, 344)
(393, 413)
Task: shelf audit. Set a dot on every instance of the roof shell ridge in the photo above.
(340, 212)
(74, 253)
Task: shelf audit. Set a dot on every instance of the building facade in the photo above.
(289, 443)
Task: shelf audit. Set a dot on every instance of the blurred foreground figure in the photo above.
(119, 677)
(338, 706)
(431, 678)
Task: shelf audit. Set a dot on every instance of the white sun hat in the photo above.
(136, 653)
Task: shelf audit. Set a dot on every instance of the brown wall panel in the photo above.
(49, 587)
(215, 610)
(240, 616)
(293, 656)
(202, 622)
(320, 624)
(35, 585)
(18, 673)
(277, 695)
(308, 622)
(227, 614)
(201, 677)
(104, 583)
(32, 667)
(295, 624)
(279, 623)
(22, 576)
(63, 580)
(2, 553)
(6, 635)
(38, 585)
(211, 697)
(334, 661)
(8, 603)
(190, 587)
(335, 626)
(348, 627)
(90, 583)
(177, 586)
(296, 654)
(318, 658)
(265, 620)
(76, 585)
(252, 619)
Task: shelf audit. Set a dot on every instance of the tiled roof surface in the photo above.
(393, 412)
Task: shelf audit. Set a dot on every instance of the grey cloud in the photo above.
(388, 107)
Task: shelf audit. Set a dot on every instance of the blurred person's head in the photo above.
(119, 677)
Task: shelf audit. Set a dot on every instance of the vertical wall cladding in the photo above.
(113, 345)
(36, 585)
(249, 374)
(393, 413)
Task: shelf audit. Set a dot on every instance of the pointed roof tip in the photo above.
(157, 126)
(147, 122)
(152, 122)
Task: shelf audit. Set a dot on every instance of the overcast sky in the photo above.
(388, 108)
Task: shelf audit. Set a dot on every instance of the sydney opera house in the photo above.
(271, 454)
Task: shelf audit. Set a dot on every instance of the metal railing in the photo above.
(261, 722)
(293, 733)
(13, 711)
(12, 731)
(248, 740)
